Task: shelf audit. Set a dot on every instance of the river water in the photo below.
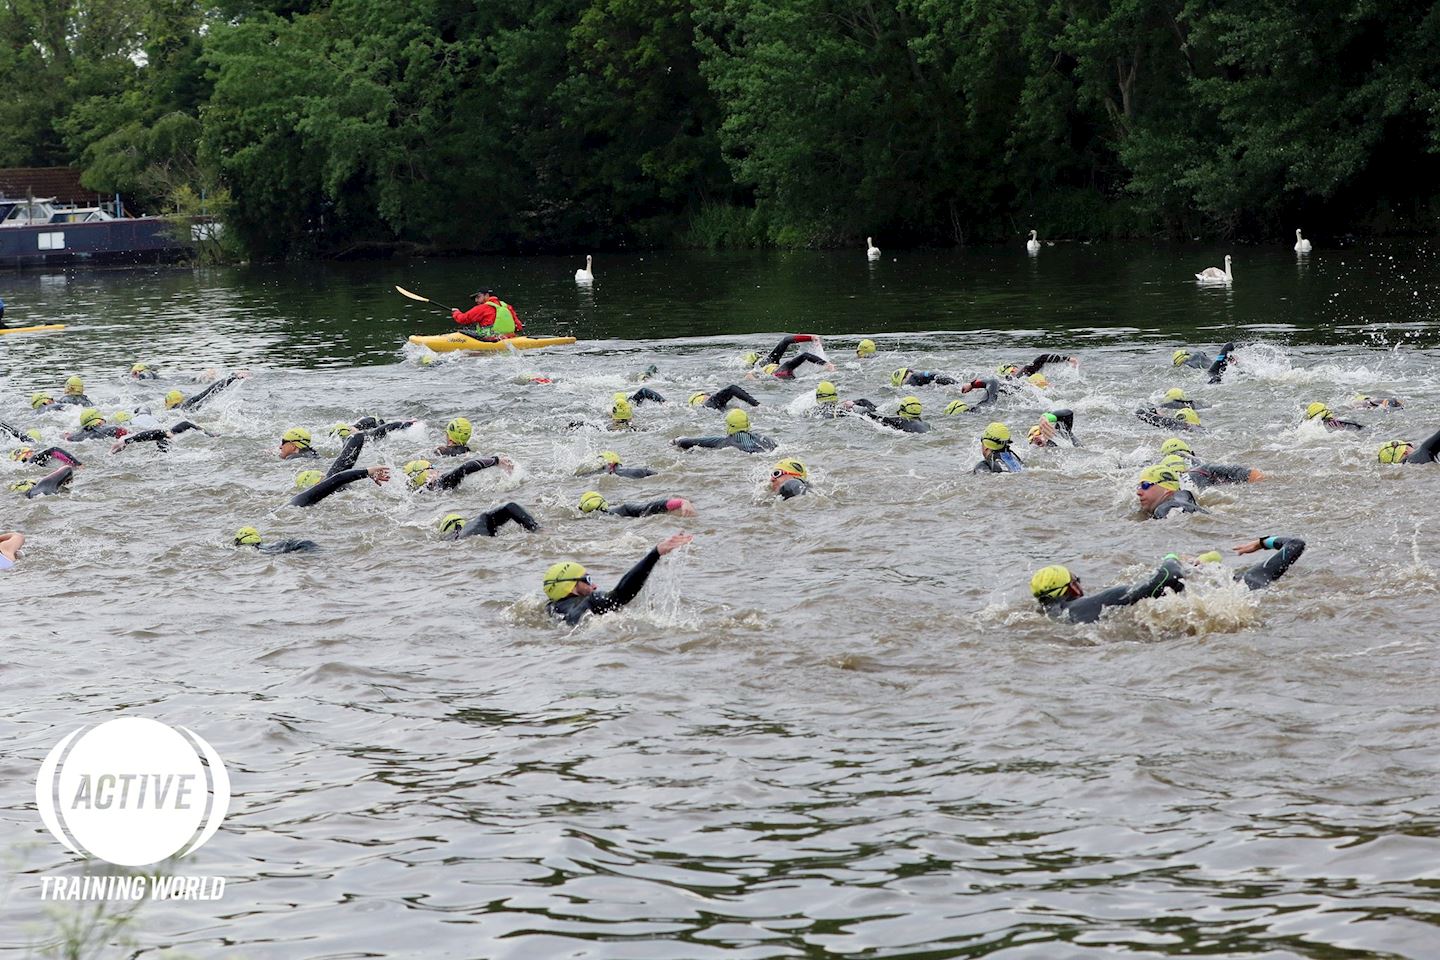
(835, 725)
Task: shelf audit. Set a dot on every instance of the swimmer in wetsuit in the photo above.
(1179, 456)
(609, 462)
(93, 427)
(458, 432)
(1199, 360)
(995, 453)
(424, 476)
(250, 537)
(177, 399)
(1360, 400)
(572, 594)
(1018, 371)
(1056, 423)
(737, 436)
(39, 458)
(161, 438)
(1318, 411)
(593, 502)
(10, 544)
(721, 398)
(296, 442)
(1403, 451)
(74, 395)
(453, 526)
(49, 484)
(829, 405)
(1261, 575)
(1061, 596)
(1158, 490)
(1185, 418)
(907, 416)
(1175, 399)
(905, 377)
(789, 479)
(315, 486)
(141, 371)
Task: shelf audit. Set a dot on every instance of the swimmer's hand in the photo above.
(684, 509)
(1073, 361)
(506, 464)
(117, 446)
(379, 475)
(670, 544)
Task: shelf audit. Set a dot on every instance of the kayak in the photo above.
(449, 342)
(41, 329)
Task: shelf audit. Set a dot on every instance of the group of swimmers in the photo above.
(569, 591)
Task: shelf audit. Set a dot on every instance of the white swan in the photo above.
(1301, 244)
(1032, 246)
(871, 251)
(584, 275)
(1215, 274)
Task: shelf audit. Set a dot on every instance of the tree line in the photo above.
(318, 128)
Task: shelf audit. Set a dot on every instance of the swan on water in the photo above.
(1033, 244)
(871, 251)
(1301, 244)
(1215, 274)
(583, 275)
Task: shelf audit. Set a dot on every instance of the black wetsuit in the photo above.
(13, 431)
(327, 486)
(1064, 427)
(1287, 551)
(74, 400)
(898, 423)
(648, 509)
(923, 378)
(488, 523)
(645, 393)
(779, 351)
(451, 480)
(161, 438)
(453, 450)
(632, 473)
(348, 455)
(1156, 418)
(54, 453)
(1087, 609)
(744, 441)
(196, 401)
(274, 547)
(51, 483)
(573, 608)
(1182, 404)
(991, 387)
(996, 464)
(1182, 500)
(378, 428)
(787, 369)
(1334, 423)
(1209, 474)
(1200, 360)
(105, 432)
(794, 487)
(1036, 365)
(719, 399)
(1427, 452)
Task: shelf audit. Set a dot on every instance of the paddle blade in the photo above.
(413, 296)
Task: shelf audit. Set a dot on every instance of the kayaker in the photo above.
(496, 318)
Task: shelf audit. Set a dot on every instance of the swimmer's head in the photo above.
(418, 471)
(620, 409)
(909, 408)
(1188, 415)
(771, 367)
(825, 392)
(247, 537)
(341, 430)
(1209, 556)
(306, 479)
(865, 348)
(120, 416)
(40, 399)
(898, 376)
(1039, 381)
(1176, 446)
(1174, 393)
(1175, 462)
(1318, 409)
(750, 359)
(1179, 357)
(1053, 583)
(789, 467)
(35, 434)
(563, 579)
(698, 398)
(22, 454)
(74, 387)
(956, 407)
(1396, 451)
(139, 368)
(22, 486)
(1008, 369)
(90, 417)
(1036, 435)
(451, 523)
(458, 431)
(996, 437)
(737, 421)
(610, 458)
(590, 501)
(173, 399)
(296, 437)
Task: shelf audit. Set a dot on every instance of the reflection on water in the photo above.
(834, 725)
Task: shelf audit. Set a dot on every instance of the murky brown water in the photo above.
(834, 725)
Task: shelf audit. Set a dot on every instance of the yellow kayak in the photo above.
(46, 328)
(449, 342)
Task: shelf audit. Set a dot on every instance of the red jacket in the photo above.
(483, 313)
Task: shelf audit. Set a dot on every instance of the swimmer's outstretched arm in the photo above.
(685, 443)
(779, 351)
(348, 455)
(379, 431)
(1288, 550)
(645, 393)
(58, 455)
(160, 438)
(718, 400)
(323, 489)
(1428, 450)
(452, 479)
(488, 523)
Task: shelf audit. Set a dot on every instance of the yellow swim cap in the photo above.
(173, 399)
(247, 537)
(996, 437)
(1161, 476)
(611, 457)
(39, 399)
(90, 417)
(898, 377)
(789, 467)
(1395, 451)
(306, 479)
(737, 421)
(1036, 435)
(591, 501)
(458, 431)
(1175, 445)
(1175, 462)
(561, 578)
(22, 486)
(771, 367)
(865, 348)
(825, 392)
(1188, 415)
(120, 416)
(1174, 393)
(1318, 409)
(750, 359)
(139, 368)
(698, 398)
(35, 435)
(1179, 357)
(956, 406)
(620, 409)
(74, 385)
(1039, 380)
(1209, 556)
(1008, 369)
(415, 470)
(21, 453)
(909, 408)
(451, 522)
(426, 359)
(298, 436)
(342, 430)
(1050, 583)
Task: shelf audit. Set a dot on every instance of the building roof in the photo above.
(62, 183)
